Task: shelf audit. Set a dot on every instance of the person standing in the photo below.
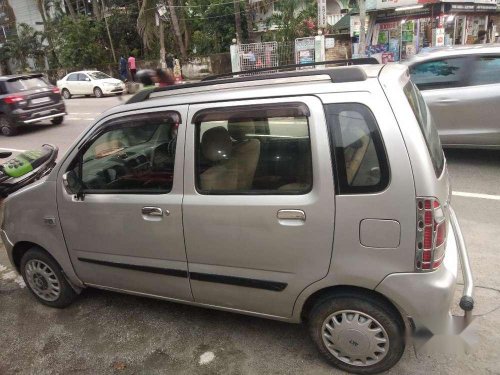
(132, 67)
(122, 69)
(481, 37)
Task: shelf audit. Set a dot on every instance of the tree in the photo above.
(292, 21)
(237, 20)
(79, 42)
(248, 16)
(362, 31)
(175, 26)
(25, 48)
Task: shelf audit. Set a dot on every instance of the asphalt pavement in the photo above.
(105, 332)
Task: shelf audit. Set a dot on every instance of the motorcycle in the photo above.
(25, 168)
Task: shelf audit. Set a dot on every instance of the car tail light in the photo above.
(11, 99)
(55, 90)
(431, 234)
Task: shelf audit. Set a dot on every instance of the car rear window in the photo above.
(24, 84)
(427, 126)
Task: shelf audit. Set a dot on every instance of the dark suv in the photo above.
(26, 99)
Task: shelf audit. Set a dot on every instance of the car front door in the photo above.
(258, 202)
(119, 197)
(442, 83)
(85, 84)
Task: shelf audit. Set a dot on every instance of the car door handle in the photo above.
(153, 211)
(291, 215)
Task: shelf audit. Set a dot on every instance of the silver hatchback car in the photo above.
(461, 86)
(318, 196)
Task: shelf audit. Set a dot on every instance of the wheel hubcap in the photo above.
(355, 338)
(42, 280)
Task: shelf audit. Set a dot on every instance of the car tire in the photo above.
(98, 92)
(66, 94)
(6, 127)
(57, 120)
(44, 278)
(351, 329)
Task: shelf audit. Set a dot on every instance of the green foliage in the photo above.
(80, 42)
(213, 25)
(294, 19)
(27, 45)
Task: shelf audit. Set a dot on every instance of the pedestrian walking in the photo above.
(123, 69)
(132, 67)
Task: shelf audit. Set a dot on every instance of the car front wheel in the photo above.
(98, 92)
(360, 335)
(45, 280)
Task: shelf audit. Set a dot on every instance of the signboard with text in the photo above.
(322, 13)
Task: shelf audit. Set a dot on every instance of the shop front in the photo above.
(402, 31)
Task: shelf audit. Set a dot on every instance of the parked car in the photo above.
(461, 86)
(90, 82)
(317, 196)
(26, 99)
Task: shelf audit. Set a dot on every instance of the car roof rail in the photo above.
(337, 75)
(342, 62)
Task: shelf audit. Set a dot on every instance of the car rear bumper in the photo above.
(428, 297)
(32, 115)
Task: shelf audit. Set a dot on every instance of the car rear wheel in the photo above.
(98, 92)
(66, 94)
(57, 120)
(6, 127)
(45, 280)
(357, 334)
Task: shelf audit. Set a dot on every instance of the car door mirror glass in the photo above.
(72, 183)
(87, 79)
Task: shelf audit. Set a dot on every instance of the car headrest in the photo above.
(216, 144)
(238, 130)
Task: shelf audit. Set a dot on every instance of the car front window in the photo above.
(98, 75)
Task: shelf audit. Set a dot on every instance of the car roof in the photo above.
(440, 52)
(271, 85)
(19, 76)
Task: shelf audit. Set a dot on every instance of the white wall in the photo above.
(26, 11)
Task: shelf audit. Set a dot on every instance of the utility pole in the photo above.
(107, 28)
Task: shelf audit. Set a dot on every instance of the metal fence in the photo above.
(264, 55)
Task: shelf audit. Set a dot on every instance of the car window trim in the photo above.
(113, 124)
(303, 110)
(338, 160)
(476, 64)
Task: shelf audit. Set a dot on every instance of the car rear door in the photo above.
(258, 202)
(72, 83)
(84, 84)
(124, 229)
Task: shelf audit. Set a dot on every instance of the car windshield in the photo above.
(24, 84)
(427, 126)
(99, 75)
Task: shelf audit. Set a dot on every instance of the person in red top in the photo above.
(132, 67)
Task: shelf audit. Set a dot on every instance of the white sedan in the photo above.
(89, 83)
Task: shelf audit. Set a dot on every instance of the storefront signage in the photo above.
(389, 25)
(322, 13)
(473, 7)
(384, 4)
(356, 25)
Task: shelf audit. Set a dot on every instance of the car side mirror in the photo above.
(72, 183)
(5, 154)
(87, 79)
